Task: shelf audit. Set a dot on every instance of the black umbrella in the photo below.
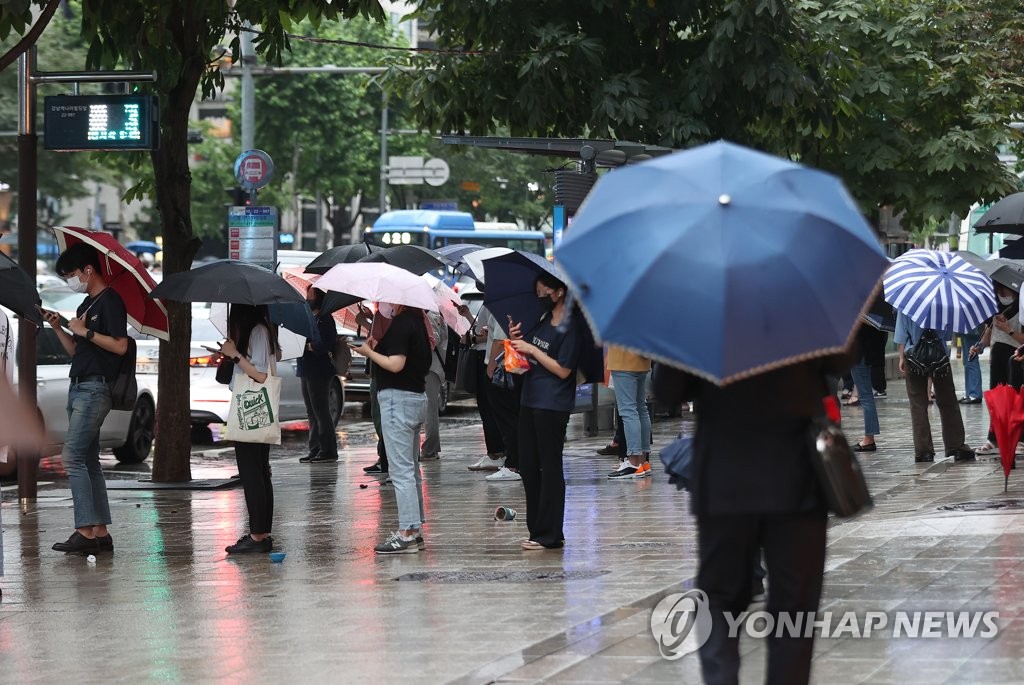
(227, 280)
(1008, 272)
(18, 291)
(343, 254)
(418, 260)
(1005, 216)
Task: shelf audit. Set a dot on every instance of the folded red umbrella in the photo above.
(1006, 410)
(122, 271)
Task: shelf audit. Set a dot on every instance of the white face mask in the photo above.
(77, 284)
(1006, 300)
(386, 310)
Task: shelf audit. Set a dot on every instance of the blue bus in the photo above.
(433, 229)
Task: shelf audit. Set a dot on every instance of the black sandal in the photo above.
(865, 448)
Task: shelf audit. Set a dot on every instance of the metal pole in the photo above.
(28, 464)
(383, 152)
(248, 92)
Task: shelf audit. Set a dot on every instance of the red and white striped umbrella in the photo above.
(122, 271)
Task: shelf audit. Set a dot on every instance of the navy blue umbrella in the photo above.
(722, 261)
(140, 246)
(511, 292)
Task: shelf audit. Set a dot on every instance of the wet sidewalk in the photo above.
(170, 606)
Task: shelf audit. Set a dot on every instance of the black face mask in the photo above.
(546, 302)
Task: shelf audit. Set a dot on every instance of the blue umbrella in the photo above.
(140, 246)
(722, 260)
(296, 317)
(939, 290)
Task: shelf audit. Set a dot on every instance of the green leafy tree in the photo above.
(906, 100)
(177, 40)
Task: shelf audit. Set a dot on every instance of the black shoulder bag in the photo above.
(928, 357)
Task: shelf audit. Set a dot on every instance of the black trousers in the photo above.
(794, 552)
(315, 393)
(254, 469)
(541, 439)
(492, 432)
(505, 405)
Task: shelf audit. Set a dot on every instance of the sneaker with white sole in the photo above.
(626, 471)
(504, 473)
(647, 469)
(988, 448)
(398, 544)
(487, 463)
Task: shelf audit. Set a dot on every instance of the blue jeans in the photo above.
(401, 414)
(88, 404)
(866, 397)
(631, 399)
(972, 367)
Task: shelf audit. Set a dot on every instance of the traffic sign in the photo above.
(415, 171)
(252, 235)
(253, 169)
(101, 122)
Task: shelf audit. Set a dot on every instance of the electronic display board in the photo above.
(100, 122)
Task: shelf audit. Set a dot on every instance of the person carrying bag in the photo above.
(253, 421)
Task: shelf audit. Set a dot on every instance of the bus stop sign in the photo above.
(253, 170)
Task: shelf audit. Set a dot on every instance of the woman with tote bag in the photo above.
(252, 345)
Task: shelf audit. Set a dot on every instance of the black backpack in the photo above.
(124, 389)
(928, 357)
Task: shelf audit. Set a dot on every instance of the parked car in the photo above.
(211, 400)
(128, 433)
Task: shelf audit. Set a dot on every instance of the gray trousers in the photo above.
(949, 414)
(431, 428)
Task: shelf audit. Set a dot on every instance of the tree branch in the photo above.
(30, 38)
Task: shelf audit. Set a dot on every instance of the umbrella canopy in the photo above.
(456, 251)
(722, 261)
(122, 271)
(1006, 410)
(379, 282)
(510, 288)
(343, 314)
(412, 258)
(1008, 272)
(939, 290)
(343, 254)
(474, 261)
(140, 246)
(18, 291)
(448, 303)
(292, 344)
(1005, 216)
(228, 280)
(880, 315)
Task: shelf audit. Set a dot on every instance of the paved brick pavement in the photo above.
(170, 606)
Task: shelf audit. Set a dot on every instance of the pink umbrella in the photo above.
(301, 281)
(380, 282)
(448, 302)
(122, 271)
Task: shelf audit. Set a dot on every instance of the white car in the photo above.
(128, 433)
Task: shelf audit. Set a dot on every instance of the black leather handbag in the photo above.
(839, 473)
(225, 370)
(928, 357)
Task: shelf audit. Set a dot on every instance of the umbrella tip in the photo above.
(724, 199)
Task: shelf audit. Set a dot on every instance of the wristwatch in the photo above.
(89, 334)
(237, 358)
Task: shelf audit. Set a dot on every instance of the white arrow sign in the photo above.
(416, 171)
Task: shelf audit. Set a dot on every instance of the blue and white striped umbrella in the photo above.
(939, 290)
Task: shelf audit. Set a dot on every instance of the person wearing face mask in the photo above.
(98, 340)
(401, 360)
(316, 369)
(1004, 334)
(553, 347)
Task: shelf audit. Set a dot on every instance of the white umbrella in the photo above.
(292, 344)
(475, 260)
(380, 282)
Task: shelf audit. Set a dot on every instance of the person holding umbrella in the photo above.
(548, 396)
(98, 340)
(252, 346)
(316, 370)
(1004, 334)
(401, 360)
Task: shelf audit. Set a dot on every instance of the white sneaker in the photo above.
(504, 474)
(485, 463)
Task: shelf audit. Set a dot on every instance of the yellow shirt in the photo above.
(620, 359)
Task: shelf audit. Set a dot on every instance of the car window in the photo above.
(49, 351)
(61, 299)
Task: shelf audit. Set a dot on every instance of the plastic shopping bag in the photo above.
(515, 362)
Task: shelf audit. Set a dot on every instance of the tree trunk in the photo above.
(171, 458)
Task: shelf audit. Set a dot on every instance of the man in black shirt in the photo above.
(98, 340)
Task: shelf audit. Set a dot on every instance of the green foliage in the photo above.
(907, 100)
